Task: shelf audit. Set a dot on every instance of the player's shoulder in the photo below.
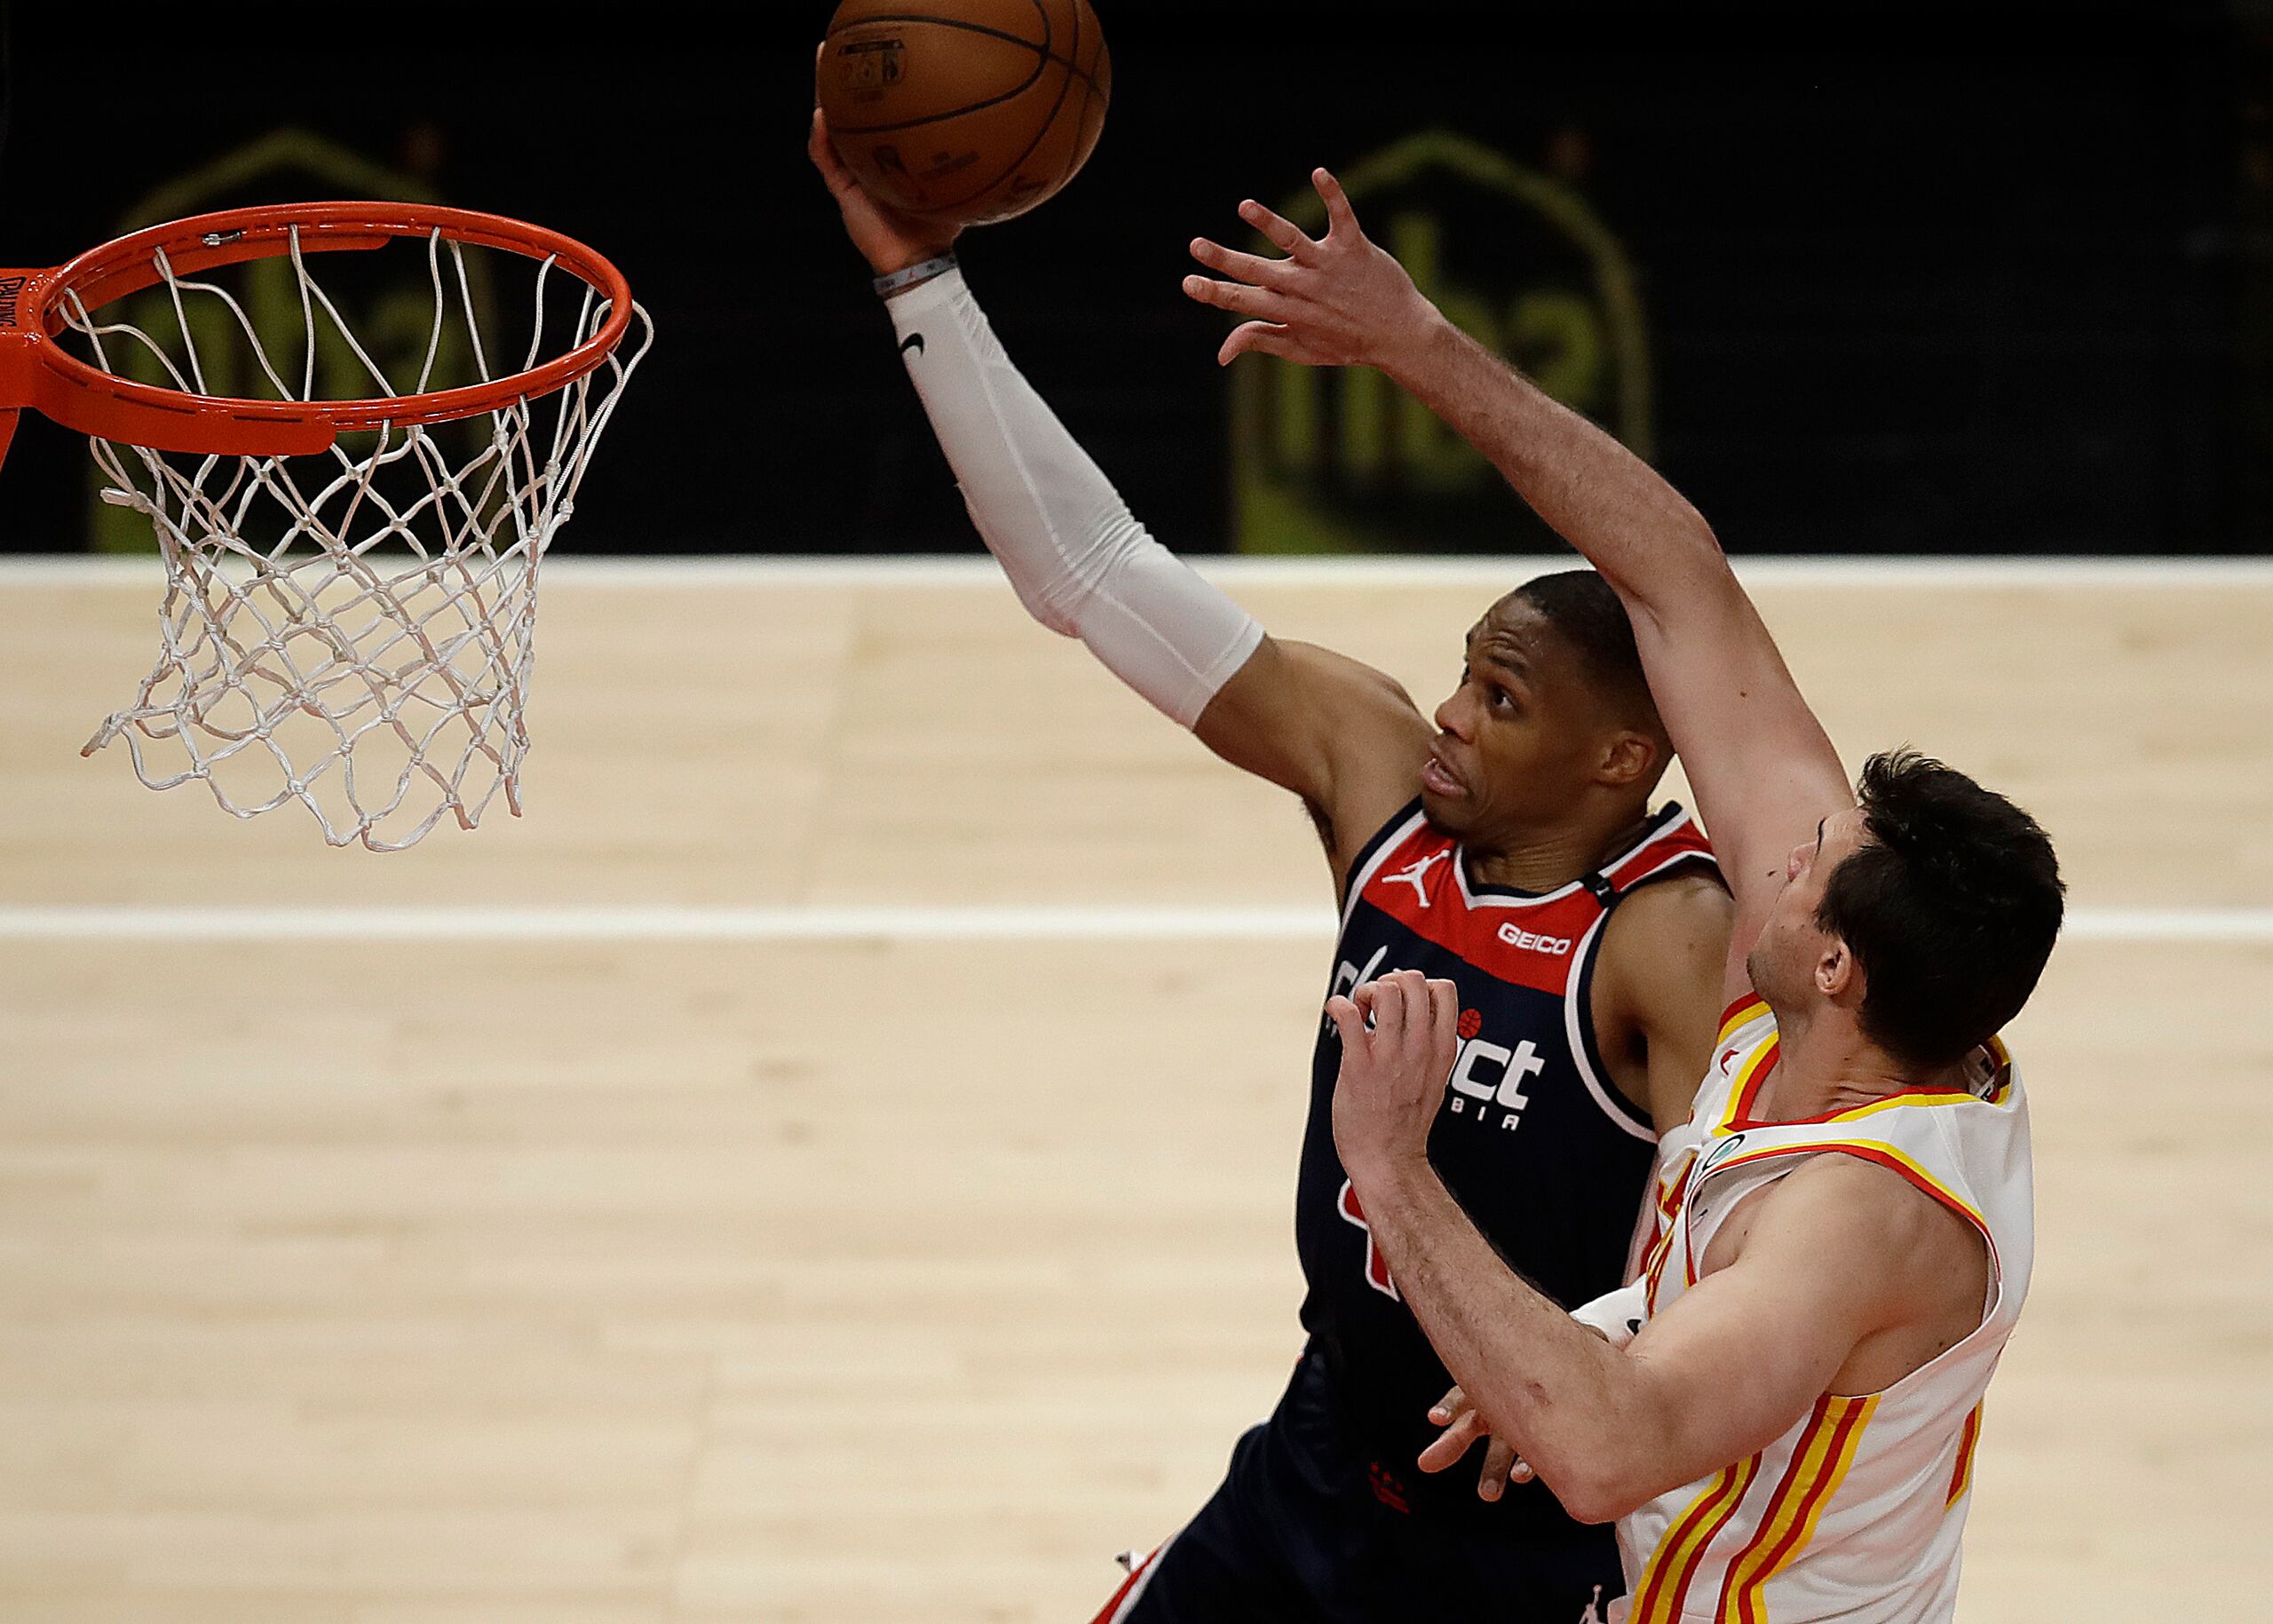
(1375, 691)
(1687, 897)
(1835, 1201)
(1674, 842)
(1681, 921)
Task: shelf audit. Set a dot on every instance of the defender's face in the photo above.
(1519, 739)
(1782, 962)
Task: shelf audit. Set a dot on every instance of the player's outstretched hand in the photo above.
(1393, 1073)
(1463, 1425)
(889, 240)
(1342, 300)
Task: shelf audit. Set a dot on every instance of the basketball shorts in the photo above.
(1306, 1530)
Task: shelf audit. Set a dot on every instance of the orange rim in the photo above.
(37, 373)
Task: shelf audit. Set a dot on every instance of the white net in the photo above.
(353, 630)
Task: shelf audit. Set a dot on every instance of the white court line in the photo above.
(574, 571)
(1481, 573)
(687, 924)
(894, 923)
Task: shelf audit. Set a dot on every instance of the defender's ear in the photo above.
(1839, 973)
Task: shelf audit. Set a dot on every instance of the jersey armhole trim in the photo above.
(1666, 823)
(1671, 866)
(1578, 1030)
(1578, 1008)
(1375, 852)
(1895, 1160)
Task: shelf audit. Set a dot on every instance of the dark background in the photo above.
(1917, 278)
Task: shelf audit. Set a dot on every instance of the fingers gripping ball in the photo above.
(964, 112)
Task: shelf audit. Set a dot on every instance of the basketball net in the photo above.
(354, 629)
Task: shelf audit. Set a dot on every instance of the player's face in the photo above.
(1520, 738)
(1783, 962)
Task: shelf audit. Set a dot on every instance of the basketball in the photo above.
(965, 111)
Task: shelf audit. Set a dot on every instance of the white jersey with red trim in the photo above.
(1857, 1513)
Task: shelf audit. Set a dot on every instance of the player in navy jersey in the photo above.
(1506, 845)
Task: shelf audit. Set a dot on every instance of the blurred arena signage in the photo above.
(391, 320)
(1343, 460)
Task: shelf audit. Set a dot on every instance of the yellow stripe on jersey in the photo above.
(1896, 1100)
(1733, 1116)
(1739, 1095)
(1672, 1567)
(1654, 1270)
(2000, 1090)
(1743, 1013)
(1819, 1464)
(2003, 1074)
(1671, 1185)
(1961, 1478)
(1887, 1156)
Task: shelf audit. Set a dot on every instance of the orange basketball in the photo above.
(967, 111)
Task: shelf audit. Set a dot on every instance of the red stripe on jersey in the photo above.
(1764, 1067)
(1961, 1475)
(1673, 1566)
(1740, 1591)
(1529, 941)
(1120, 1597)
(1669, 1210)
(1744, 1006)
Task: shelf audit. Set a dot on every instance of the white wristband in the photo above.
(886, 286)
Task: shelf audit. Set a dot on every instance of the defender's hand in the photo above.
(889, 241)
(1393, 1076)
(1463, 1424)
(1341, 301)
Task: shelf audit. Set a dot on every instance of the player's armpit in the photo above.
(1657, 997)
(1344, 737)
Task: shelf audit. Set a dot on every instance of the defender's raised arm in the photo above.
(1763, 771)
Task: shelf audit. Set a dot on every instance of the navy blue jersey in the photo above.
(1304, 1532)
(1532, 1139)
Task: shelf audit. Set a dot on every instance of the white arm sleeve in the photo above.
(1077, 558)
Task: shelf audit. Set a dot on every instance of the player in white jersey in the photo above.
(1856, 1512)
(1780, 1413)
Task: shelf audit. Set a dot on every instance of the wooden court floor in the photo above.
(906, 1273)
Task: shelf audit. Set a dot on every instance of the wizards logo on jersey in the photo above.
(1488, 1078)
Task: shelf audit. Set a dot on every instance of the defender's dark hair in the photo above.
(1951, 907)
(1587, 614)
